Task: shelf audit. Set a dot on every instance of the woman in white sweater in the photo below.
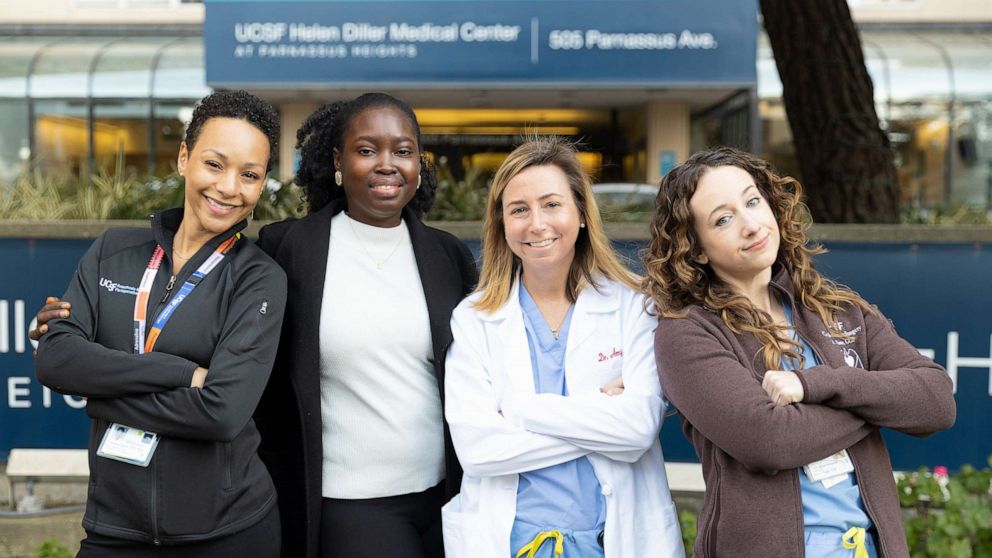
(553, 397)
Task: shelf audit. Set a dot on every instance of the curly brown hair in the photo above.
(674, 280)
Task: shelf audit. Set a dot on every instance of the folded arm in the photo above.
(70, 361)
(487, 442)
(901, 389)
(238, 372)
(721, 398)
(620, 427)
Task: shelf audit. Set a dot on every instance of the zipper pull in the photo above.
(168, 289)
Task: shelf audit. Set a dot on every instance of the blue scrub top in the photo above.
(840, 506)
(567, 495)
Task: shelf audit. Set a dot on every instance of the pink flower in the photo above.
(940, 471)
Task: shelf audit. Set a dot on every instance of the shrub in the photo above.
(948, 516)
(52, 549)
(117, 194)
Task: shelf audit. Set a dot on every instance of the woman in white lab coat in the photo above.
(553, 397)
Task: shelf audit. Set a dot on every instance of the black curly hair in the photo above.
(242, 106)
(324, 130)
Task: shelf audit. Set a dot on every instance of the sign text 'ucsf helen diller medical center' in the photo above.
(250, 43)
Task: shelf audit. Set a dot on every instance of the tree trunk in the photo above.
(847, 164)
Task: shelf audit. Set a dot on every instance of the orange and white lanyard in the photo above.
(141, 345)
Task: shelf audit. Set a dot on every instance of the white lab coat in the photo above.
(500, 427)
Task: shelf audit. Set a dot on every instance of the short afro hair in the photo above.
(239, 105)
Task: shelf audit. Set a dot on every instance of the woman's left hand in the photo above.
(783, 387)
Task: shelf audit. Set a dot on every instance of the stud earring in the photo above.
(338, 179)
(582, 225)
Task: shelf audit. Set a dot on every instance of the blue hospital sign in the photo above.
(493, 43)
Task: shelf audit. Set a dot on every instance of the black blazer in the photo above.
(288, 416)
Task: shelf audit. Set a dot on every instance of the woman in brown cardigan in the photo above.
(783, 378)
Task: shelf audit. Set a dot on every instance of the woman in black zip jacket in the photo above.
(171, 339)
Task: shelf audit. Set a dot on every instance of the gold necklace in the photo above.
(176, 250)
(379, 264)
(181, 255)
(556, 330)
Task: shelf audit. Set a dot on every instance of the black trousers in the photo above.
(404, 526)
(261, 540)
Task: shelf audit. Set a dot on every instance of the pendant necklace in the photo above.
(379, 264)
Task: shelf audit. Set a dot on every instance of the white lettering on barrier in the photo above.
(15, 392)
(19, 395)
(20, 327)
(74, 402)
(4, 331)
(954, 361)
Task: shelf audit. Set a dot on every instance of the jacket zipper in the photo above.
(857, 470)
(798, 483)
(868, 510)
(154, 464)
(154, 510)
(168, 289)
(714, 516)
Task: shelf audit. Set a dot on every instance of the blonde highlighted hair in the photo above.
(594, 255)
(675, 280)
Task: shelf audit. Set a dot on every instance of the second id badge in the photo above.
(830, 470)
(130, 445)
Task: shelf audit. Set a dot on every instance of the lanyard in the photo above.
(145, 287)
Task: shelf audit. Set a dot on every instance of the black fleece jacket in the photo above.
(205, 479)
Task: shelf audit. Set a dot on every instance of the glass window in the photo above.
(124, 68)
(63, 69)
(14, 147)
(170, 126)
(180, 73)
(61, 136)
(15, 60)
(943, 152)
(121, 128)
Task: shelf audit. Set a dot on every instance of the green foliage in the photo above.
(687, 521)
(459, 200)
(117, 194)
(52, 549)
(953, 214)
(34, 196)
(948, 516)
(628, 212)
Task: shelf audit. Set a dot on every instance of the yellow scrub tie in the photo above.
(855, 538)
(533, 546)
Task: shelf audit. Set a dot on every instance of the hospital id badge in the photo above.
(130, 445)
(830, 470)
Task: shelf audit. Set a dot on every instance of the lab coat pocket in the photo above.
(458, 528)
